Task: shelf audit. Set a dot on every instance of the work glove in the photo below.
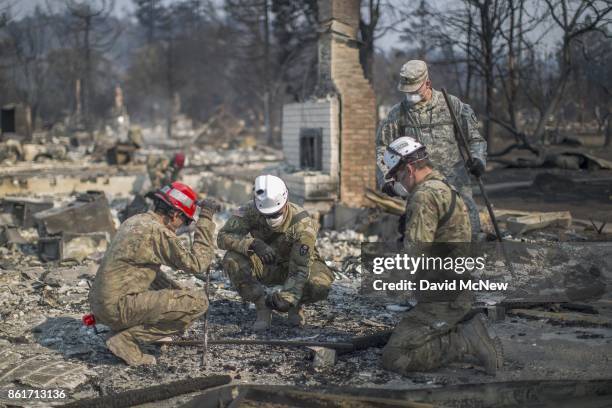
(388, 189)
(476, 167)
(263, 251)
(208, 207)
(279, 301)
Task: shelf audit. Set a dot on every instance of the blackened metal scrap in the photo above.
(354, 344)
(277, 343)
(152, 394)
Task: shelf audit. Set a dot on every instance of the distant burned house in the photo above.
(15, 121)
(329, 139)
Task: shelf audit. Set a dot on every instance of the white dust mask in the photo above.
(413, 98)
(275, 222)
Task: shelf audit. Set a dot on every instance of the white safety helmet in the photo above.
(270, 194)
(402, 148)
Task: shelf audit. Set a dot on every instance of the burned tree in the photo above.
(575, 21)
(89, 29)
(151, 15)
(270, 37)
(27, 42)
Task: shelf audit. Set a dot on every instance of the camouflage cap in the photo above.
(412, 76)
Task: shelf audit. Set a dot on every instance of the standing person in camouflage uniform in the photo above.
(435, 332)
(424, 116)
(121, 296)
(271, 241)
(163, 171)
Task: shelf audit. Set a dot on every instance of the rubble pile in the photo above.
(72, 230)
(42, 305)
(51, 247)
(41, 331)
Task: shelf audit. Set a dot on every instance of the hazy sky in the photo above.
(123, 7)
(24, 6)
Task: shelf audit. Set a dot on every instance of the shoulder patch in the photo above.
(304, 250)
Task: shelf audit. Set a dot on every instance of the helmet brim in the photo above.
(161, 196)
(410, 88)
(270, 210)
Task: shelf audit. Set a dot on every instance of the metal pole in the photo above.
(462, 142)
(205, 342)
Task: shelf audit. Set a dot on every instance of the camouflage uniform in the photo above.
(428, 205)
(425, 339)
(161, 171)
(121, 297)
(299, 267)
(431, 124)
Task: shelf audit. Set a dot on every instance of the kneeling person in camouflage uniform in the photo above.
(271, 241)
(438, 330)
(121, 296)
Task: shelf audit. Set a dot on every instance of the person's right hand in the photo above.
(388, 189)
(263, 251)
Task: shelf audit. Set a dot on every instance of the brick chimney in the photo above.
(329, 138)
(341, 76)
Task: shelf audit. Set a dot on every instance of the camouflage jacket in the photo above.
(161, 171)
(294, 242)
(428, 206)
(141, 245)
(431, 124)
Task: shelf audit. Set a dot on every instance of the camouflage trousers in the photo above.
(154, 314)
(423, 339)
(249, 276)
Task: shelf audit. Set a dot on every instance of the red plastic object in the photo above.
(89, 320)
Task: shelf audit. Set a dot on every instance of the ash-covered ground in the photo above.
(43, 343)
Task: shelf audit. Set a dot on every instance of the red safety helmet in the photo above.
(179, 160)
(180, 196)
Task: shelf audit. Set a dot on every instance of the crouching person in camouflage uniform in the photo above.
(437, 331)
(121, 296)
(271, 241)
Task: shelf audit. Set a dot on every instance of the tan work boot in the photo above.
(475, 341)
(264, 315)
(125, 347)
(296, 316)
